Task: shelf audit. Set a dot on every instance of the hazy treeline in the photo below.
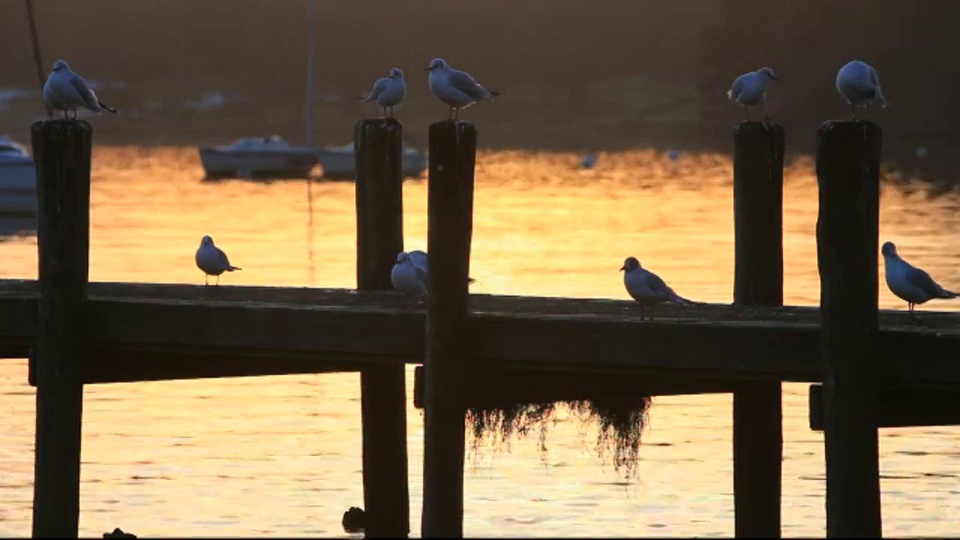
(258, 47)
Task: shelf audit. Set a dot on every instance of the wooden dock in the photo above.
(146, 332)
(877, 368)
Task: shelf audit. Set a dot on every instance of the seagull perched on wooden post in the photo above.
(65, 91)
(750, 89)
(455, 88)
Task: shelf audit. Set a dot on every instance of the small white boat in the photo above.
(18, 180)
(258, 157)
(340, 161)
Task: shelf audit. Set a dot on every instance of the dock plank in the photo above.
(187, 331)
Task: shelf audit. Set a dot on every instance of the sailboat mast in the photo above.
(309, 100)
(36, 52)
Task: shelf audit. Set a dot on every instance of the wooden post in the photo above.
(758, 280)
(450, 225)
(61, 149)
(379, 186)
(848, 174)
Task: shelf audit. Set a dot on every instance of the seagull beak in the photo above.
(774, 77)
(426, 69)
(622, 268)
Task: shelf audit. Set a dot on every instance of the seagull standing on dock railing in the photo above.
(647, 288)
(455, 88)
(859, 84)
(750, 89)
(407, 277)
(65, 91)
(908, 282)
(212, 260)
(388, 91)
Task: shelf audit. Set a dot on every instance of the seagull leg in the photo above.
(206, 280)
(450, 116)
(218, 280)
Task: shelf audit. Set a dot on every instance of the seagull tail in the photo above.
(232, 268)
(730, 94)
(947, 295)
(107, 107)
(470, 280)
(495, 93)
(364, 97)
(677, 299)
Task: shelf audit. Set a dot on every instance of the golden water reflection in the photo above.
(281, 455)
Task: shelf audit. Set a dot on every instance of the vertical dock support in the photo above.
(379, 190)
(758, 281)
(450, 226)
(848, 175)
(61, 149)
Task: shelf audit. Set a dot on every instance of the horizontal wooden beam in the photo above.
(489, 388)
(902, 406)
(236, 331)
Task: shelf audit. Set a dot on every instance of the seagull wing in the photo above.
(378, 87)
(85, 92)
(463, 82)
(222, 258)
(422, 275)
(736, 89)
(922, 281)
(659, 287)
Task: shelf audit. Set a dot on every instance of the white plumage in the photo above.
(65, 91)
(455, 88)
(908, 282)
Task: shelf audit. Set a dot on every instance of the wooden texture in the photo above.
(258, 330)
(758, 281)
(848, 175)
(492, 388)
(379, 191)
(62, 151)
(450, 226)
(901, 406)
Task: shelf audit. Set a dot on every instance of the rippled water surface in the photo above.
(281, 455)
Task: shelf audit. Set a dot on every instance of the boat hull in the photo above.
(263, 164)
(18, 188)
(337, 163)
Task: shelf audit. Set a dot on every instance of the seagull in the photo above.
(455, 88)
(750, 89)
(908, 282)
(65, 91)
(407, 277)
(646, 287)
(387, 91)
(419, 258)
(859, 85)
(212, 260)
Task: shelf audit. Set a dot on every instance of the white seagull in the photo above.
(212, 260)
(388, 91)
(65, 91)
(407, 277)
(419, 258)
(646, 287)
(455, 88)
(908, 282)
(859, 85)
(750, 89)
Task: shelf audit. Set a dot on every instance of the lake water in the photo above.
(281, 455)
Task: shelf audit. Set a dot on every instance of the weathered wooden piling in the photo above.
(379, 191)
(450, 226)
(848, 175)
(758, 281)
(62, 150)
